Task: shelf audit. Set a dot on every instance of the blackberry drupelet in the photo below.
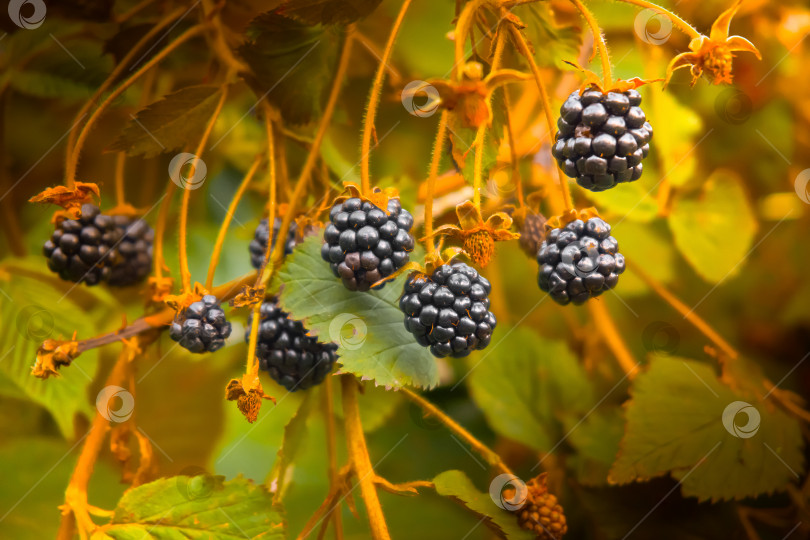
(448, 311)
(80, 249)
(258, 246)
(133, 260)
(363, 244)
(542, 514)
(293, 359)
(602, 138)
(579, 261)
(202, 326)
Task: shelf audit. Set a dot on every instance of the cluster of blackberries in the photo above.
(258, 246)
(363, 244)
(202, 326)
(602, 138)
(96, 248)
(579, 261)
(448, 311)
(293, 359)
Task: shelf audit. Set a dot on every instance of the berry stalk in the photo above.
(463, 25)
(73, 157)
(441, 134)
(331, 446)
(541, 87)
(361, 462)
(607, 328)
(185, 273)
(682, 25)
(599, 41)
(374, 100)
(223, 230)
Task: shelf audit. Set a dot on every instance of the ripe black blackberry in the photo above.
(293, 359)
(133, 252)
(258, 246)
(80, 249)
(602, 138)
(363, 244)
(448, 311)
(202, 326)
(579, 261)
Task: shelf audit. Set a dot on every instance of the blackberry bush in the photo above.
(293, 358)
(133, 253)
(363, 244)
(602, 138)
(202, 326)
(579, 261)
(80, 249)
(258, 246)
(448, 311)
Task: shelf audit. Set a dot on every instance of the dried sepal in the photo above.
(159, 288)
(249, 296)
(592, 80)
(249, 402)
(378, 197)
(558, 222)
(179, 302)
(52, 355)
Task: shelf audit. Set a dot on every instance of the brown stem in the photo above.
(609, 332)
(331, 446)
(361, 462)
(483, 450)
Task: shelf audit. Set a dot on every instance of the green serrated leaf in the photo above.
(214, 509)
(71, 73)
(457, 486)
(168, 124)
(524, 383)
(380, 348)
(635, 201)
(328, 11)
(557, 42)
(675, 425)
(714, 231)
(38, 307)
(286, 56)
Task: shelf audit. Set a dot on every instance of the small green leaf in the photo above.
(455, 485)
(213, 509)
(675, 425)
(328, 11)
(524, 383)
(35, 307)
(286, 57)
(714, 231)
(379, 347)
(169, 123)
